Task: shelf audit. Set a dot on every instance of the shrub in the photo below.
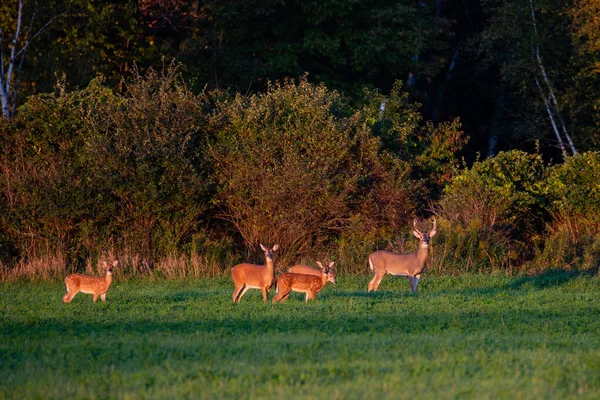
(91, 171)
(492, 212)
(573, 239)
(429, 148)
(145, 156)
(297, 167)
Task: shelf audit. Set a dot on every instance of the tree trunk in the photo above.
(552, 97)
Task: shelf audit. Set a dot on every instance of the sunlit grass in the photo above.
(460, 337)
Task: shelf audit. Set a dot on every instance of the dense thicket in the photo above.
(185, 184)
(158, 172)
(325, 126)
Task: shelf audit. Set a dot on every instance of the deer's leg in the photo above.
(416, 282)
(103, 297)
(374, 284)
(277, 297)
(236, 292)
(281, 296)
(264, 293)
(67, 298)
(96, 296)
(246, 288)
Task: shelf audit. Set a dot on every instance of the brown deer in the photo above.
(97, 286)
(307, 270)
(304, 283)
(251, 276)
(407, 264)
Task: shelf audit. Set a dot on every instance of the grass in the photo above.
(481, 337)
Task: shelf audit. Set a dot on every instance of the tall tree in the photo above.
(18, 38)
(530, 49)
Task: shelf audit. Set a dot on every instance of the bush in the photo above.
(90, 171)
(145, 157)
(492, 213)
(297, 167)
(573, 239)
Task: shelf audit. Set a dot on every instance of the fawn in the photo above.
(98, 286)
(304, 283)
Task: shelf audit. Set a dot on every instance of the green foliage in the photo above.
(493, 210)
(502, 191)
(90, 170)
(430, 148)
(296, 165)
(45, 188)
(573, 239)
(475, 336)
(145, 152)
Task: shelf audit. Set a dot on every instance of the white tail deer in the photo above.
(97, 286)
(251, 276)
(408, 264)
(304, 283)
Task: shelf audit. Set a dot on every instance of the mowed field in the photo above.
(479, 337)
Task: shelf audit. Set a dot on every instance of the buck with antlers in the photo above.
(310, 283)
(407, 264)
(251, 276)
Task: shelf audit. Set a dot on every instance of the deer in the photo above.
(307, 270)
(251, 276)
(94, 285)
(406, 264)
(304, 283)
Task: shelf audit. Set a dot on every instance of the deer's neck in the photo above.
(270, 268)
(323, 279)
(422, 253)
(108, 279)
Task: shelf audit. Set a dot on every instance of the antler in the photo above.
(415, 225)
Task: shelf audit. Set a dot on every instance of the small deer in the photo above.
(407, 264)
(304, 283)
(251, 276)
(97, 286)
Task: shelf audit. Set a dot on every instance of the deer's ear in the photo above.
(331, 264)
(320, 265)
(418, 235)
(275, 247)
(263, 247)
(432, 233)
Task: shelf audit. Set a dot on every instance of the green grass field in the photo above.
(480, 337)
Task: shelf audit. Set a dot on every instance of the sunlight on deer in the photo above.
(304, 283)
(96, 286)
(251, 276)
(409, 265)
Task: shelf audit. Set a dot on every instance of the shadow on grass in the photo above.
(546, 279)
(380, 294)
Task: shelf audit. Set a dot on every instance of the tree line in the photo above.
(177, 183)
(519, 74)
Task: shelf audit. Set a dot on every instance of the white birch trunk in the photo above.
(552, 97)
(5, 79)
(561, 144)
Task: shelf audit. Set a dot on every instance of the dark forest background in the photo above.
(177, 135)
